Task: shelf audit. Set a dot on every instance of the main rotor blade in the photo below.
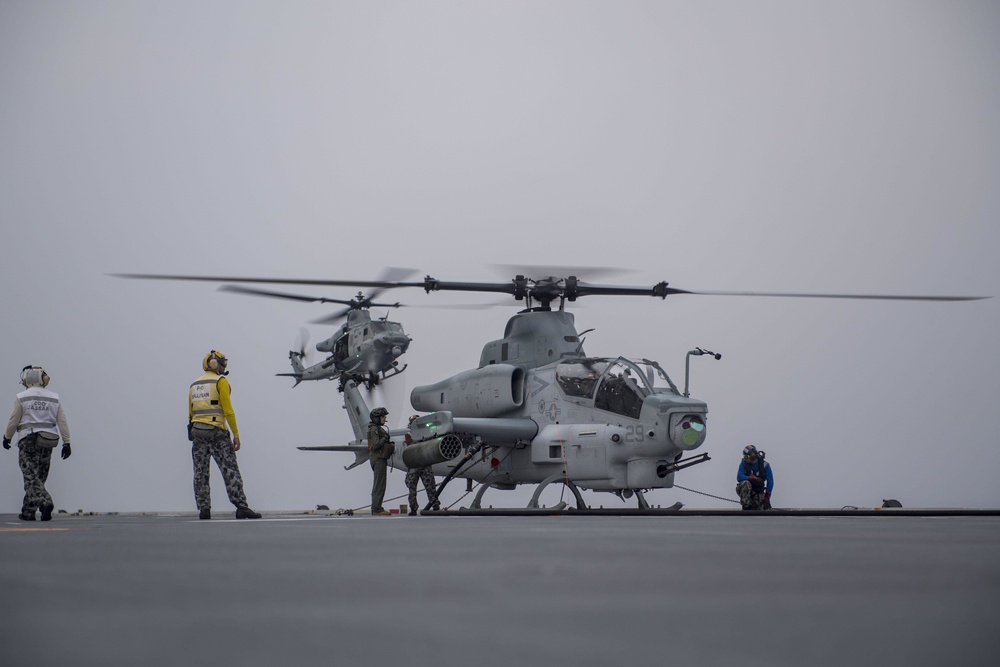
(891, 297)
(430, 284)
(332, 318)
(274, 281)
(391, 274)
(460, 306)
(341, 314)
(279, 295)
(433, 285)
(391, 277)
(663, 291)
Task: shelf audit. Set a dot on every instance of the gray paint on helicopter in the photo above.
(717, 146)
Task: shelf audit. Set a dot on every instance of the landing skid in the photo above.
(625, 494)
(643, 505)
(477, 502)
(372, 380)
(559, 477)
(395, 371)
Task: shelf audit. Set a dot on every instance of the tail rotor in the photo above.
(297, 356)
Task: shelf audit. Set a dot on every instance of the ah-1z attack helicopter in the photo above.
(362, 348)
(539, 410)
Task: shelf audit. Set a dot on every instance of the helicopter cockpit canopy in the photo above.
(379, 326)
(578, 378)
(618, 385)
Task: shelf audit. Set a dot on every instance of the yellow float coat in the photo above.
(209, 402)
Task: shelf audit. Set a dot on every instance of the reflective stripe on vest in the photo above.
(39, 411)
(204, 398)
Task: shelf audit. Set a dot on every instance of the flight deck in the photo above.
(556, 588)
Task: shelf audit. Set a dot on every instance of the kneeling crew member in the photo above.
(754, 480)
(209, 411)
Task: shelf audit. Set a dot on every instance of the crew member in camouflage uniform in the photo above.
(39, 421)
(209, 411)
(380, 449)
(754, 480)
(424, 474)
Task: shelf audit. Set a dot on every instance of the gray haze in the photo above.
(766, 146)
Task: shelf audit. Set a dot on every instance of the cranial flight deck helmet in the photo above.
(378, 413)
(34, 376)
(215, 361)
(749, 452)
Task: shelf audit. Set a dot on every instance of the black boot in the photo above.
(246, 513)
(25, 515)
(46, 509)
(205, 514)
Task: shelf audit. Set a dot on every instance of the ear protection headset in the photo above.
(34, 376)
(215, 361)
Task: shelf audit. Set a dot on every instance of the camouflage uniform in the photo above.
(209, 443)
(430, 487)
(35, 460)
(380, 448)
(38, 422)
(750, 499)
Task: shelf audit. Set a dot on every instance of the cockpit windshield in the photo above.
(379, 326)
(617, 385)
(622, 389)
(656, 378)
(579, 378)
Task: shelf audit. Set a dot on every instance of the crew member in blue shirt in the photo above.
(754, 480)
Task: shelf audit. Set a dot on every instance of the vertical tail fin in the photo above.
(297, 367)
(357, 409)
(296, 359)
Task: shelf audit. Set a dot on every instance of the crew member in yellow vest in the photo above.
(39, 421)
(210, 417)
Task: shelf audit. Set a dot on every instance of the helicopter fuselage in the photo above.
(538, 407)
(605, 424)
(361, 347)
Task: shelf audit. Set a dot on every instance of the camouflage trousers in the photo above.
(750, 499)
(206, 445)
(35, 462)
(427, 477)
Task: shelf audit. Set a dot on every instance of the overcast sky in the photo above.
(764, 146)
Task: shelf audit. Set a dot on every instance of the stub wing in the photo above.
(359, 449)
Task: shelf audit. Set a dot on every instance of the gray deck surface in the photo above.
(312, 589)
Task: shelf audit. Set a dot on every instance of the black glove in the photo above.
(67, 451)
(6, 443)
